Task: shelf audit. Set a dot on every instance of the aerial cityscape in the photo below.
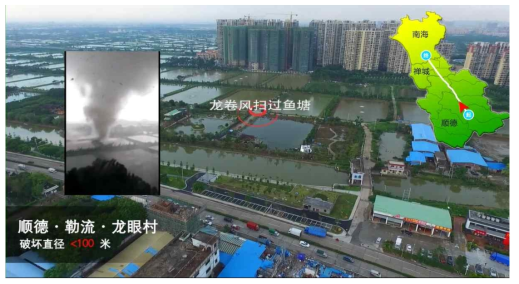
(287, 146)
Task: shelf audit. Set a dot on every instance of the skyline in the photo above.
(209, 14)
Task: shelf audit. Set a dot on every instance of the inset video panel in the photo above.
(112, 123)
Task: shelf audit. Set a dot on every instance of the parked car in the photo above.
(209, 217)
(429, 255)
(235, 227)
(442, 259)
(493, 272)
(52, 170)
(348, 259)
(422, 252)
(409, 233)
(304, 244)
(321, 253)
(450, 260)
(379, 239)
(30, 162)
(227, 219)
(409, 248)
(207, 222)
(375, 273)
(479, 269)
(262, 237)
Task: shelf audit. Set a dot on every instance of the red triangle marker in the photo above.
(462, 106)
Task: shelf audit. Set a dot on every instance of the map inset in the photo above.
(454, 100)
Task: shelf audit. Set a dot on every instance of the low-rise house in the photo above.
(317, 205)
(394, 168)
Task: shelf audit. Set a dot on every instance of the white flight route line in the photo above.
(449, 86)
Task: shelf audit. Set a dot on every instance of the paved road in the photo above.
(32, 169)
(334, 259)
(358, 252)
(40, 162)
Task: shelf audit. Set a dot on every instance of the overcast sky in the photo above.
(208, 14)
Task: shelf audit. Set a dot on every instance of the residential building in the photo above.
(220, 24)
(394, 168)
(319, 28)
(389, 29)
(485, 225)
(397, 59)
(502, 77)
(303, 46)
(333, 38)
(175, 217)
(446, 49)
(440, 160)
(415, 217)
(234, 50)
(484, 59)
(207, 55)
(317, 205)
(362, 50)
(196, 258)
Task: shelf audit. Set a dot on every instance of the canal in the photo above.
(423, 189)
(27, 131)
(237, 163)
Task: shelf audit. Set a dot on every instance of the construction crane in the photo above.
(291, 14)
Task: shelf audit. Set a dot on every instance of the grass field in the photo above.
(176, 171)
(290, 81)
(290, 195)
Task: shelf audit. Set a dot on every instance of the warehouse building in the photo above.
(412, 216)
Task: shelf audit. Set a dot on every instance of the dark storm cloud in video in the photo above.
(112, 122)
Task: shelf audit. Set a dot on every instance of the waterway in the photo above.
(282, 134)
(20, 96)
(35, 82)
(198, 95)
(428, 190)
(237, 163)
(368, 110)
(211, 125)
(411, 112)
(391, 145)
(25, 131)
(164, 89)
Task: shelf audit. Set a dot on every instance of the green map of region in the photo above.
(454, 100)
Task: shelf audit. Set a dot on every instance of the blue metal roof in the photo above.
(422, 132)
(465, 156)
(424, 146)
(18, 267)
(496, 166)
(34, 257)
(225, 258)
(415, 157)
(245, 262)
(102, 197)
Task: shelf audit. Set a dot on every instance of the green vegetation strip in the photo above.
(312, 243)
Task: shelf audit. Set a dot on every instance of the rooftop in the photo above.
(245, 262)
(318, 202)
(176, 260)
(483, 218)
(440, 156)
(173, 112)
(132, 258)
(422, 132)
(415, 157)
(424, 146)
(413, 210)
(174, 210)
(465, 156)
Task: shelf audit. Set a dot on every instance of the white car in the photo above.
(304, 244)
(52, 170)
(375, 273)
(209, 217)
(409, 248)
(379, 239)
(493, 272)
(208, 223)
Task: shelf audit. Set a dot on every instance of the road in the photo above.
(360, 253)
(334, 259)
(39, 162)
(34, 169)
